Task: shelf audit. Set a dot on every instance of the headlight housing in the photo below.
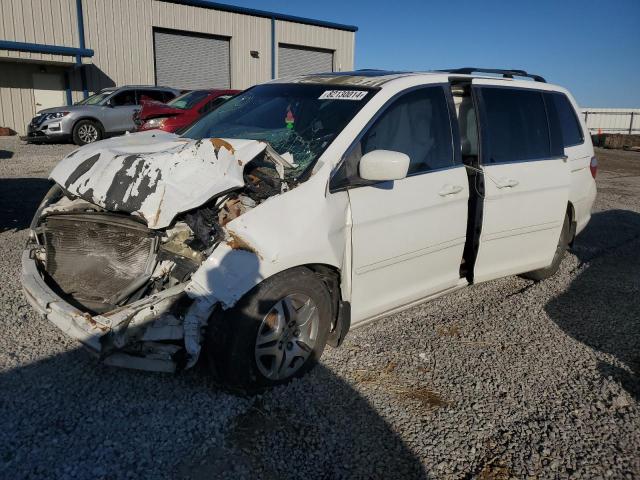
(157, 122)
(53, 195)
(55, 115)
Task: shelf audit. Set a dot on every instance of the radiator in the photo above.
(98, 260)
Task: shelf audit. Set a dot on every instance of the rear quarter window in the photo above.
(567, 118)
(168, 96)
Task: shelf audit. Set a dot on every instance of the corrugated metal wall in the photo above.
(112, 29)
(121, 34)
(17, 103)
(50, 22)
(612, 120)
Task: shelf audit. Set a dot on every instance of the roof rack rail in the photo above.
(505, 73)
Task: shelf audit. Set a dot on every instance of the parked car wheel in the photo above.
(277, 332)
(86, 131)
(563, 245)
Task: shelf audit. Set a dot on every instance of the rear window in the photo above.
(569, 125)
(516, 125)
(188, 100)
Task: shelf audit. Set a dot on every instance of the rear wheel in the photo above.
(277, 332)
(86, 131)
(563, 245)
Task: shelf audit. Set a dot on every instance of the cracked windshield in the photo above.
(298, 121)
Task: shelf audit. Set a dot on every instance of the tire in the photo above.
(244, 344)
(86, 131)
(563, 245)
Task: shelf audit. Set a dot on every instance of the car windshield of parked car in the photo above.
(297, 119)
(96, 99)
(188, 100)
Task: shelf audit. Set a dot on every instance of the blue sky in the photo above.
(591, 47)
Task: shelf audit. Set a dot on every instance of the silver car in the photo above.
(107, 113)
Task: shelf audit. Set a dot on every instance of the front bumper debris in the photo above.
(102, 334)
(48, 131)
(83, 327)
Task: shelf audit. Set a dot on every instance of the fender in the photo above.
(286, 231)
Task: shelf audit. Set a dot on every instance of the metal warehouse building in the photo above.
(55, 52)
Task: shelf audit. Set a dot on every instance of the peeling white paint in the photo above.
(155, 175)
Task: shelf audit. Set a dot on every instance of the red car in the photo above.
(180, 112)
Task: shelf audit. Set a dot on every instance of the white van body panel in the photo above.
(524, 208)
(582, 193)
(407, 240)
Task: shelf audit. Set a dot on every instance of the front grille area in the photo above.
(38, 120)
(96, 259)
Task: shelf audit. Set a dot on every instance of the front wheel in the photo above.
(277, 332)
(563, 245)
(86, 131)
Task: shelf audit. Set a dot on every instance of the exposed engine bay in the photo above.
(102, 260)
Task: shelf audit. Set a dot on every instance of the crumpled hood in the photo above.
(155, 175)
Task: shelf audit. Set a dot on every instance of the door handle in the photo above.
(450, 190)
(507, 183)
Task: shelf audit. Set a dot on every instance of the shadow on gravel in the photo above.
(66, 417)
(5, 154)
(19, 199)
(601, 307)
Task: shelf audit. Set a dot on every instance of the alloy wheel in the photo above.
(287, 336)
(88, 133)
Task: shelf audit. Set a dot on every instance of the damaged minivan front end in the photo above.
(153, 247)
(115, 244)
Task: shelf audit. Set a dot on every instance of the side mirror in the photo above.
(383, 165)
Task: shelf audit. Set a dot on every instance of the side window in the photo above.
(516, 125)
(213, 104)
(123, 99)
(417, 124)
(569, 125)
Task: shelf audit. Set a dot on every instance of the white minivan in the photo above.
(303, 207)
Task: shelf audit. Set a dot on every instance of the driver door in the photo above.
(408, 235)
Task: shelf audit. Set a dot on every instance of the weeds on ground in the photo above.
(404, 389)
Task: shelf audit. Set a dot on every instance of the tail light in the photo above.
(593, 166)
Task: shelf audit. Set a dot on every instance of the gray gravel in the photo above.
(504, 379)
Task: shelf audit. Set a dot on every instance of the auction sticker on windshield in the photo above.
(343, 95)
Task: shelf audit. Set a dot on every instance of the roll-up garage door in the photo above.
(188, 61)
(294, 61)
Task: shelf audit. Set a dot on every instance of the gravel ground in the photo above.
(500, 380)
